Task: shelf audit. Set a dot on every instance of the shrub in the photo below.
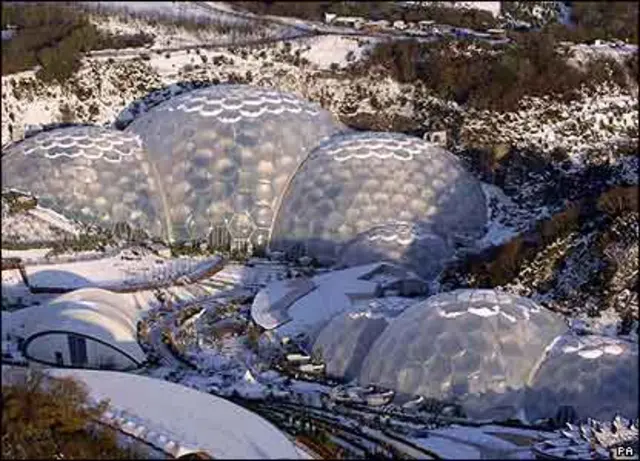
(54, 36)
(560, 223)
(497, 81)
(47, 418)
(618, 200)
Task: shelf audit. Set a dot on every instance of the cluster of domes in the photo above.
(267, 168)
(499, 355)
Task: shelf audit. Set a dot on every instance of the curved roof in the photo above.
(424, 252)
(226, 153)
(462, 343)
(89, 173)
(188, 417)
(356, 182)
(109, 317)
(345, 341)
(596, 375)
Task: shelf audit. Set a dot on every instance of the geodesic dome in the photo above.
(427, 256)
(345, 341)
(596, 375)
(356, 182)
(463, 345)
(87, 173)
(225, 154)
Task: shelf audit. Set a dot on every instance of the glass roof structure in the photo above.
(595, 375)
(225, 154)
(87, 173)
(465, 344)
(356, 182)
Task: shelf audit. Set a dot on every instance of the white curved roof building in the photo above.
(303, 306)
(181, 420)
(412, 193)
(87, 328)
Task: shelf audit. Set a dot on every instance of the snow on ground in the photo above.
(249, 276)
(34, 254)
(504, 219)
(187, 417)
(121, 271)
(589, 126)
(325, 50)
(581, 53)
(36, 224)
(16, 295)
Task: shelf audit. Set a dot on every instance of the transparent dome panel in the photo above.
(465, 344)
(421, 251)
(345, 341)
(596, 375)
(88, 173)
(355, 182)
(225, 154)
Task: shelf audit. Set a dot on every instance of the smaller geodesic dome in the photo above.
(345, 341)
(396, 184)
(596, 375)
(423, 252)
(88, 173)
(463, 345)
(226, 153)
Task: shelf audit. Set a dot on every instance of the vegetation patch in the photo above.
(51, 418)
(599, 21)
(390, 11)
(18, 203)
(54, 36)
(482, 76)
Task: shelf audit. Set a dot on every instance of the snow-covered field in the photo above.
(118, 272)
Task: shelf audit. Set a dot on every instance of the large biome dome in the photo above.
(87, 173)
(225, 154)
(356, 182)
(463, 345)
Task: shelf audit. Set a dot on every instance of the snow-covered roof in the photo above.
(597, 375)
(356, 182)
(88, 173)
(188, 417)
(467, 344)
(269, 308)
(109, 317)
(226, 153)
